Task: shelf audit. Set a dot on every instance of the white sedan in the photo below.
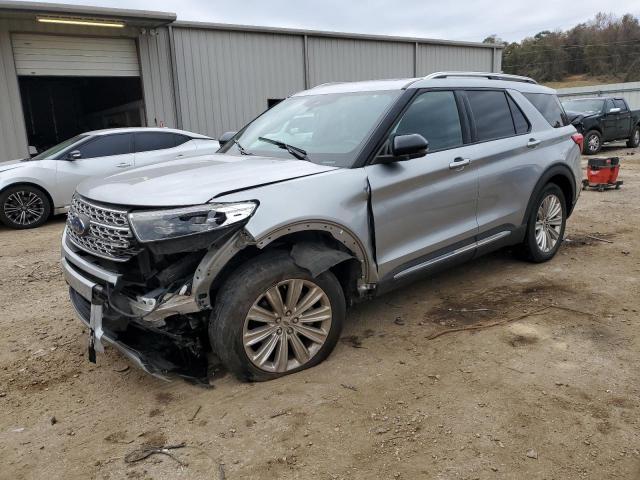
(31, 190)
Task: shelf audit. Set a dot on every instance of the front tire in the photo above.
(592, 142)
(272, 318)
(634, 139)
(546, 224)
(23, 207)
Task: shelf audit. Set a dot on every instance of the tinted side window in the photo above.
(106, 146)
(148, 141)
(519, 120)
(491, 114)
(180, 139)
(549, 106)
(620, 104)
(434, 115)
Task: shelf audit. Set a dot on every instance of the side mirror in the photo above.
(615, 110)
(406, 147)
(75, 155)
(226, 137)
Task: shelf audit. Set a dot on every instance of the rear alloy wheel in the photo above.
(634, 139)
(24, 207)
(546, 224)
(273, 318)
(592, 143)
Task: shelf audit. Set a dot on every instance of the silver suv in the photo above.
(251, 256)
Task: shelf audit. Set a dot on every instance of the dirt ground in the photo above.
(552, 394)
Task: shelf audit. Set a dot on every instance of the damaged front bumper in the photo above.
(142, 340)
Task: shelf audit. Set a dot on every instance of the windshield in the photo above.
(53, 151)
(586, 106)
(328, 129)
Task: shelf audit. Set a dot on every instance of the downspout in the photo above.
(174, 79)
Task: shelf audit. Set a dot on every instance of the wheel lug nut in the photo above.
(279, 331)
(277, 320)
(289, 330)
(295, 320)
(288, 314)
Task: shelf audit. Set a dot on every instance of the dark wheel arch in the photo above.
(562, 176)
(32, 185)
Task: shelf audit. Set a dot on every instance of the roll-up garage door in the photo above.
(56, 55)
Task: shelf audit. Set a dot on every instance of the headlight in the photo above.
(154, 225)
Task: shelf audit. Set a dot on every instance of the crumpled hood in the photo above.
(578, 116)
(193, 181)
(11, 164)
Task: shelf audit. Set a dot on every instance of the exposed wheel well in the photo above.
(347, 272)
(565, 185)
(33, 185)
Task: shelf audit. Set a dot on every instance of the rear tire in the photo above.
(545, 225)
(245, 325)
(634, 139)
(23, 207)
(592, 142)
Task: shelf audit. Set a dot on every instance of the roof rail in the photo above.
(489, 75)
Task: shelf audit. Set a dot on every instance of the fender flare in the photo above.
(339, 232)
(552, 171)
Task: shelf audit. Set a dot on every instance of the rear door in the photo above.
(610, 121)
(425, 209)
(624, 118)
(100, 156)
(158, 147)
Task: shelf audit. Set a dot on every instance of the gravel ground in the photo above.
(551, 393)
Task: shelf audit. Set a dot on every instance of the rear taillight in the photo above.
(579, 139)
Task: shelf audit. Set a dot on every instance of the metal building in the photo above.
(65, 69)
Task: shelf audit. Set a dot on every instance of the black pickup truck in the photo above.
(603, 119)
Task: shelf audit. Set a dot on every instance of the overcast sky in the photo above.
(470, 20)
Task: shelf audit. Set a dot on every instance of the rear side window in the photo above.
(107, 146)
(520, 122)
(434, 115)
(491, 114)
(620, 104)
(549, 107)
(149, 141)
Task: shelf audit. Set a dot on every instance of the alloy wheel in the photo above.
(594, 143)
(548, 223)
(24, 208)
(287, 325)
(636, 137)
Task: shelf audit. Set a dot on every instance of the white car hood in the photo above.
(194, 181)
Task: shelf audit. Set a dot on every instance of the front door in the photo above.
(425, 209)
(100, 156)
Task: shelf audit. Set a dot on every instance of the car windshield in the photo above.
(55, 150)
(328, 129)
(586, 106)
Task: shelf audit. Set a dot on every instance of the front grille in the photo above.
(109, 235)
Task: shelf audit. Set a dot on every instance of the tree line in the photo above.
(607, 46)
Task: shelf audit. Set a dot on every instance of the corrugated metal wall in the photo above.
(13, 135)
(630, 91)
(435, 58)
(339, 60)
(225, 77)
(157, 79)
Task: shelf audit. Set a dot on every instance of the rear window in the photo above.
(491, 114)
(620, 104)
(149, 141)
(549, 107)
(520, 122)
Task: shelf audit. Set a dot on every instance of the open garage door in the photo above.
(70, 85)
(57, 55)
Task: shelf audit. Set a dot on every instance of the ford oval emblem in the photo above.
(79, 224)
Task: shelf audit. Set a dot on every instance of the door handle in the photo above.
(533, 143)
(459, 163)
(123, 165)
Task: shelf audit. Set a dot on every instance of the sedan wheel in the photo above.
(549, 223)
(287, 325)
(24, 207)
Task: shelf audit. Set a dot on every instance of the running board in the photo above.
(452, 254)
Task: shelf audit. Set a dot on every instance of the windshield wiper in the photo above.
(242, 150)
(297, 152)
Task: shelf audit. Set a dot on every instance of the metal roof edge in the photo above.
(329, 34)
(96, 12)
